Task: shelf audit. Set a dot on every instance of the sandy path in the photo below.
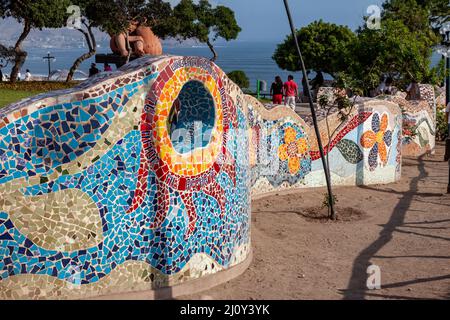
(405, 231)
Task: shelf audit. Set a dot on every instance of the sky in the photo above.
(265, 20)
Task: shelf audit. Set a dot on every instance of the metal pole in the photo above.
(313, 112)
(258, 89)
(49, 69)
(447, 82)
(48, 57)
(448, 186)
(447, 157)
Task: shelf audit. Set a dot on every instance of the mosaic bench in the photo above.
(138, 183)
(419, 119)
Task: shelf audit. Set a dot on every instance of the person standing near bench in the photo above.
(276, 90)
(290, 92)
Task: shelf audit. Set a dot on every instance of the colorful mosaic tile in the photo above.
(142, 178)
(153, 204)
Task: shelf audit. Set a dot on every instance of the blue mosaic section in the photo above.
(110, 183)
(49, 137)
(193, 118)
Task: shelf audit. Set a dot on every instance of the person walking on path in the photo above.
(290, 92)
(276, 90)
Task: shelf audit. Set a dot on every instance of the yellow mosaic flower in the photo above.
(293, 150)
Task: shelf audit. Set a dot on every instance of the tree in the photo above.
(240, 78)
(436, 11)
(6, 53)
(87, 21)
(202, 22)
(325, 48)
(402, 48)
(415, 15)
(32, 14)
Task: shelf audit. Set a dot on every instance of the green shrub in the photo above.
(326, 200)
(441, 125)
(240, 78)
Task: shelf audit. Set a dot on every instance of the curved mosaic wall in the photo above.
(142, 178)
(419, 122)
(419, 119)
(363, 150)
(95, 197)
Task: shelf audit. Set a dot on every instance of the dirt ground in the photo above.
(404, 228)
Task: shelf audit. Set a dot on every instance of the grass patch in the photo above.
(8, 96)
(13, 92)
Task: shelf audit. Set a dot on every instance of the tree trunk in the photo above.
(211, 47)
(77, 64)
(20, 55)
(90, 39)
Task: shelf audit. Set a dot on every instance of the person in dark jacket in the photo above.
(276, 90)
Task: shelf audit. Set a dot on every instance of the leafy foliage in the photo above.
(325, 47)
(396, 51)
(327, 200)
(441, 125)
(438, 11)
(6, 53)
(200, 21)
(38, 13)
(114, 16)
(402, 48)
(240, 78)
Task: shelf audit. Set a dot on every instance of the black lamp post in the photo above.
(313, 112)
(444, 49)
(49, 58)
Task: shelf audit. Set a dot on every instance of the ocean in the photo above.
(255, 59)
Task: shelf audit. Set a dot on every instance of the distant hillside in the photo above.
(61, 38)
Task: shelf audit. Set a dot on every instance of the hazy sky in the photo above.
(266, 19)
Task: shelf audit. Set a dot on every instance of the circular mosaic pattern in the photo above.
(192, 118)
(198, 167)
(199, 160)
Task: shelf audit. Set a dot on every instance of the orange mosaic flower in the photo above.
(378, 140)
(293, 150)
